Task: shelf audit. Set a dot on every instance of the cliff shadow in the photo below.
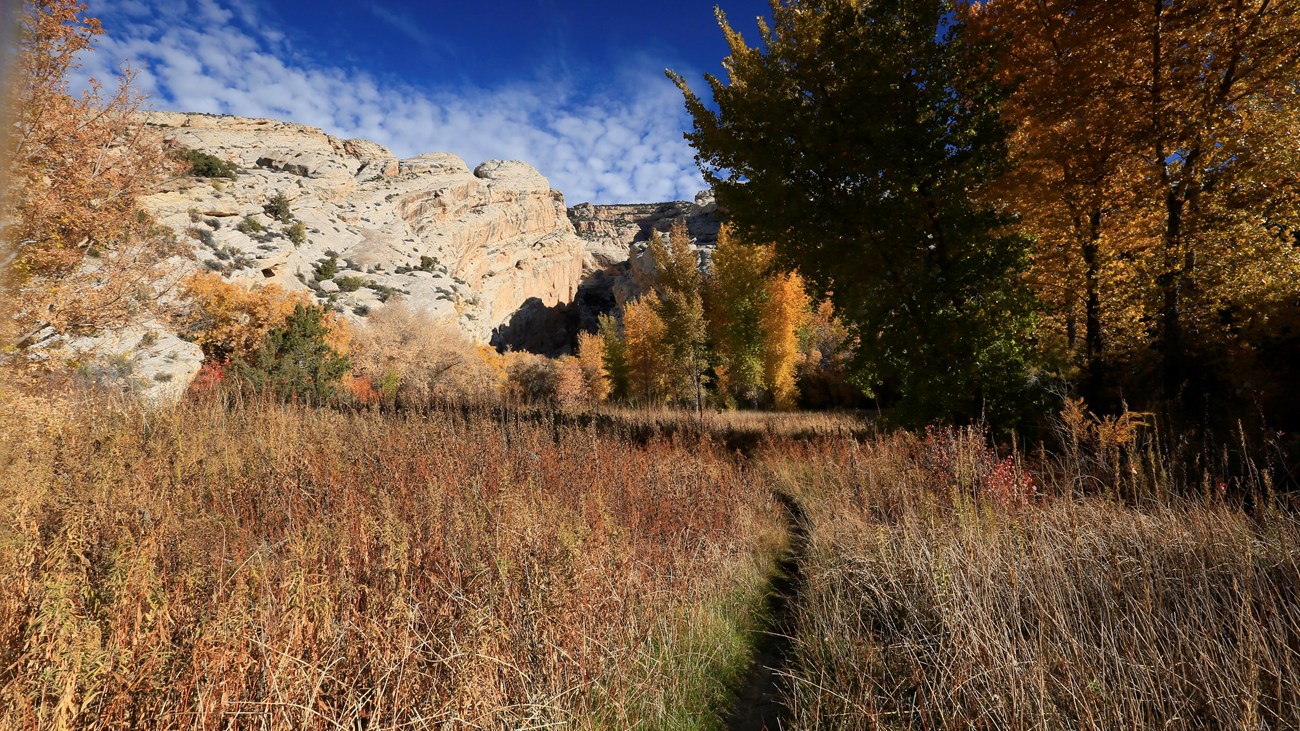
(552, 330)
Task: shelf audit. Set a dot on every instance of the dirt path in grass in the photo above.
(758, 705)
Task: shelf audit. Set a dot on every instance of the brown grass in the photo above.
(947, 588)
(281, 567)
(269, 566)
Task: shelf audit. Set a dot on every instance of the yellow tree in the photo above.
(1218, 96)
(230, 322)
(591, 359)
(828, 347)
(1068, 146)
(644, 351)
(1158, 165)
(737, 294)
(681, 307)
(785, 313)
(82, 254)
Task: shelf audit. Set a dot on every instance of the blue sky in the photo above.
(574, 88)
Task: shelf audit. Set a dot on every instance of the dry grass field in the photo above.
(947, 588)
(280, 567)
(270, 566)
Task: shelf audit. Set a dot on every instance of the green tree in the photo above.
(737, 296)
(615, 357)
(279, 208)
(852, 137)
(296, 361)
(681, 308)
(205, 164)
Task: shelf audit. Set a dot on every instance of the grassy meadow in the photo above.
(274, 566)
(227, 565)
(945, 587)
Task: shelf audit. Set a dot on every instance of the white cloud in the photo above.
(220, 56)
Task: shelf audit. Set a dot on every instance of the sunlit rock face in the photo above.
(616, 238)
(469, 247)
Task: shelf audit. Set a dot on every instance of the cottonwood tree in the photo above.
(737, 294)
(784, 315)
(757, 315)
(614, 357)
(591, 360)
(644, 350)
(680, 305)
(1070, 148)
(82, 254)
(1217, 91)
(1157, 149)
(852, 137)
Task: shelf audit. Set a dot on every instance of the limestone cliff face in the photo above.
(616, 238)
(617, 268)
(470, 247)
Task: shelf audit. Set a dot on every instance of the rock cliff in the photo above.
(617, 239)
(466, 246)
(617, 268)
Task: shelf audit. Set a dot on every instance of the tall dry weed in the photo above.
(932, 602)
(271, 566)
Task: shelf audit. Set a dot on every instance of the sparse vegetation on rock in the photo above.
(297, 233)
(279, 207)
(326, 268)
(250, 225)
(205, 165)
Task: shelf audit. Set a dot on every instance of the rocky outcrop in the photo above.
(611, 233)
(465, 246)
(144, 359)
(616, 242)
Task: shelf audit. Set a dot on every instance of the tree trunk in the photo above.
(1171, 284)
(1092, 276)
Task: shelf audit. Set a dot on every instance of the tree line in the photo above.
(741, 332)
(1011, 199)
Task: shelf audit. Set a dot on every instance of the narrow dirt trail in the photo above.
(758, 705)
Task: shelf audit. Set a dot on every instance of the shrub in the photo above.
(350, 284)
(297, 233)
(278, 208)
(296, 361)
(327, 268)
(203, 235)
(532, 379)
(229, 321)
(416, 361)
(250, 225)
(428, 263)
(383, 292)
(206, 165)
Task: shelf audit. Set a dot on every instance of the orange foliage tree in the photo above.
(82, 254)
(784, 315)
(645, 351)
(591, 360)
(1158, 171)
(230, 322)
